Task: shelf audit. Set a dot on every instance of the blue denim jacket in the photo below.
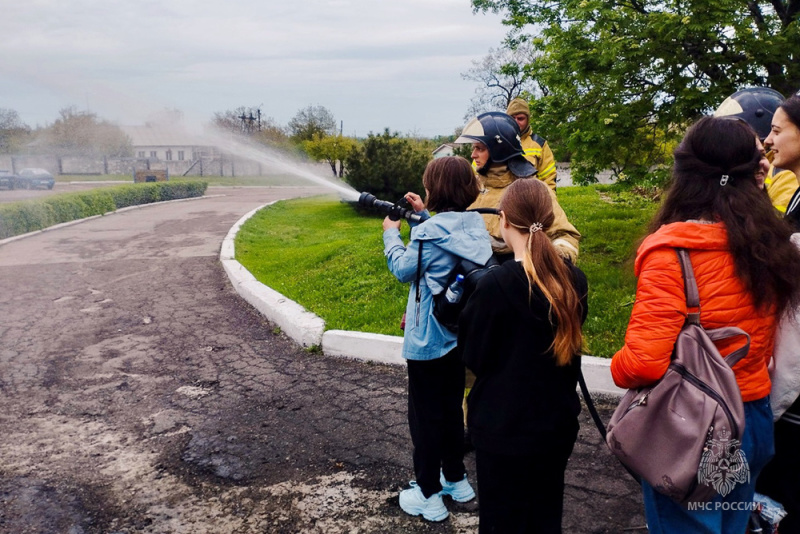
(447, 237)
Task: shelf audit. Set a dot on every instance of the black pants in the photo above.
(435, 419)
(780, 479)
(522, 494)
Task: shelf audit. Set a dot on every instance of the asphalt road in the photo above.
(139, 393)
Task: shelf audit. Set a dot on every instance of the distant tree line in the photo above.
(386, 164)
(73, 133)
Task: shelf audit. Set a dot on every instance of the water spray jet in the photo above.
(273, 159)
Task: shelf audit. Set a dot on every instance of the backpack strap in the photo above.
(486, 211)
(596, 416)
(730, 331)
(419, 276)
(693, 302)
(689, 287)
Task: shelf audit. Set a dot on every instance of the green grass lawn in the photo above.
(328, 257)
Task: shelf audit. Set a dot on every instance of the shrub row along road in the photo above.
(139, 393)
(16, 195)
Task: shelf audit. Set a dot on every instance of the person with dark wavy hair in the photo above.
(740, 250)
(781, 477)
(784, 142)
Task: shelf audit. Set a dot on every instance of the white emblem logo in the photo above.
(723, 464)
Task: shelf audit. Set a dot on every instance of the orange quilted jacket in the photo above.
(660, 308)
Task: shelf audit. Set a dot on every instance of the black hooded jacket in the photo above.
(522, 402)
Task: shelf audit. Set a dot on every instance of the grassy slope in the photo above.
(611, 225)
(322, 254)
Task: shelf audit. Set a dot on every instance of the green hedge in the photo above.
(27, 216)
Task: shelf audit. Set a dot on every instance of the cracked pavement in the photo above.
(140, 394)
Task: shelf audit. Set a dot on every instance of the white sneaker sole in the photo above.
(460, 498)
(418, 511)
(439, 514)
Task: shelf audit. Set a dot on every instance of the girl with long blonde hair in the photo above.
(520, 333)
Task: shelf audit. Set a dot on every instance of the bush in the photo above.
(71, 206)
(27, 216)
(387, 166)
(133, 195)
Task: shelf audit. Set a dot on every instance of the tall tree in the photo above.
(311, 120)
(82, 133)
(502, 75)
(625, 77)
(330, 148)
(13, 132)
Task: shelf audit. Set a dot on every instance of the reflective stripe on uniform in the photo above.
(794, 203)
(791, 418)
(550, 169)
(533, 151)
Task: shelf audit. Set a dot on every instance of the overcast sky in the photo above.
(372, 63)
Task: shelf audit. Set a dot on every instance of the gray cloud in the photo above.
(374, 64)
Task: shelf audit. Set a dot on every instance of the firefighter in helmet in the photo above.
(536, 149)
(499, 160)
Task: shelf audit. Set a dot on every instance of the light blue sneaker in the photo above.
(459, 491)
(413, 502)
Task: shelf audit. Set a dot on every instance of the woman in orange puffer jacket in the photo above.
(740, 251)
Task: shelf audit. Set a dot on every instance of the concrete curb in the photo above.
(308, 329)
(78, 221)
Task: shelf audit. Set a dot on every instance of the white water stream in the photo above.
(274, 159)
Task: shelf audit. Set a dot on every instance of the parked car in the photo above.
(32, 178)
(8, 179)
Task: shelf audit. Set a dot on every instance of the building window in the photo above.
(180, 155)
(141, 153)
(153, 154)
(169, 155)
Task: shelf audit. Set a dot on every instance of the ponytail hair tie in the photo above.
(535, 227)
(724, 180)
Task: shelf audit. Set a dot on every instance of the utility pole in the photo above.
(250, 123)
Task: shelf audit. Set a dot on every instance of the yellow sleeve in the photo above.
(542, 158)
(547, 167)
(780, 188)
